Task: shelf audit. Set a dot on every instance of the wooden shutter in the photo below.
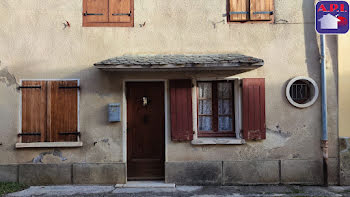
(181, 110)
(253, 101)
(239, 10)
(33, 111)
(261, 10)
(95, 11)
(120, 11)
(63, 111)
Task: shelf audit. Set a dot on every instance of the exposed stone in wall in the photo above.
(49, 157)
(6, 77)
(276, 137)
(344, 157)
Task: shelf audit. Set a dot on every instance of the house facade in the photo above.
(191, 92)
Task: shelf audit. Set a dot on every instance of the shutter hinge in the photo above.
(20, 87)
(70, 133)
(239, 13)
(21, 134)
(69, 87)
(269, 12)
(88, 14)
(122, 14)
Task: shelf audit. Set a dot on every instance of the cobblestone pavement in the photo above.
(235, 191)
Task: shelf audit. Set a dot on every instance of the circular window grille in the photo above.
(302, 92)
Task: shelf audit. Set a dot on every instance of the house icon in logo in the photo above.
(329, 22)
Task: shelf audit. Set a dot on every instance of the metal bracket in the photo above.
(21, 134)
(69, 133)
(239, 13)
(122, 14)
(69, 87)
(270, 12)
(88, 14)
(20, 87)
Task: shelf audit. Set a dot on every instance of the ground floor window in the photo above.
(215, 108)
(49, 111)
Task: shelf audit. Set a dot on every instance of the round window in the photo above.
(302, 92)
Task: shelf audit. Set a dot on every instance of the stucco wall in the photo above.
(34, 45)
(344, 81)
(344, 109)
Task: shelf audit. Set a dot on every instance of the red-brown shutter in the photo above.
(33, 111)
(239, 10)
(95, 11)
(254, 126)
(181, 110)
(261, 10)
(63, 111)
(120, 11)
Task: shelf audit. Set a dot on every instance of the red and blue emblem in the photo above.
(332, 17)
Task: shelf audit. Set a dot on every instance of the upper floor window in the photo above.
(108, 13)
(250, 10)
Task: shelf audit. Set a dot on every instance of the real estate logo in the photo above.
(332, 17)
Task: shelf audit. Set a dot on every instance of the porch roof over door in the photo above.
(198, 62)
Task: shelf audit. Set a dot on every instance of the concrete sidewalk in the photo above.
(239, 191)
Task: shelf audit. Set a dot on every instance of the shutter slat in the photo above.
(181, 110)
(253, 101)
(239, 10)
(261, 10)
(33, 111)
(64, 110)
(95, 11)
(120, 11)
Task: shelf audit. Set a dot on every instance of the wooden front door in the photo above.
(145, 130)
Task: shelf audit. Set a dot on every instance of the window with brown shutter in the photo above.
(250, 10)
(49, 111)
(108, 13)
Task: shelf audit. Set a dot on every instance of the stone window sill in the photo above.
(49, 145)
(227, 141)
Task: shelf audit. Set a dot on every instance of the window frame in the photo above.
(21, 144)
(215, 116)
(108, 24)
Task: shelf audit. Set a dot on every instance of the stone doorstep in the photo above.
(146, 184)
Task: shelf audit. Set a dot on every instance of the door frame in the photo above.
(166, 117)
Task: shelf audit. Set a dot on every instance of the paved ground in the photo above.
(235, 191)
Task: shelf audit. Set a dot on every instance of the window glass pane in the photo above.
(225, 107)
(205, 123)
(205, 107)
(225, 90)
(225, 123)
(204, 90)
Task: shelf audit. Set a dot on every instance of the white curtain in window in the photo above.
(225, 90)
(204, 90)
(205, 107)
(225, 123)
(225, 106)
(205, 123)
